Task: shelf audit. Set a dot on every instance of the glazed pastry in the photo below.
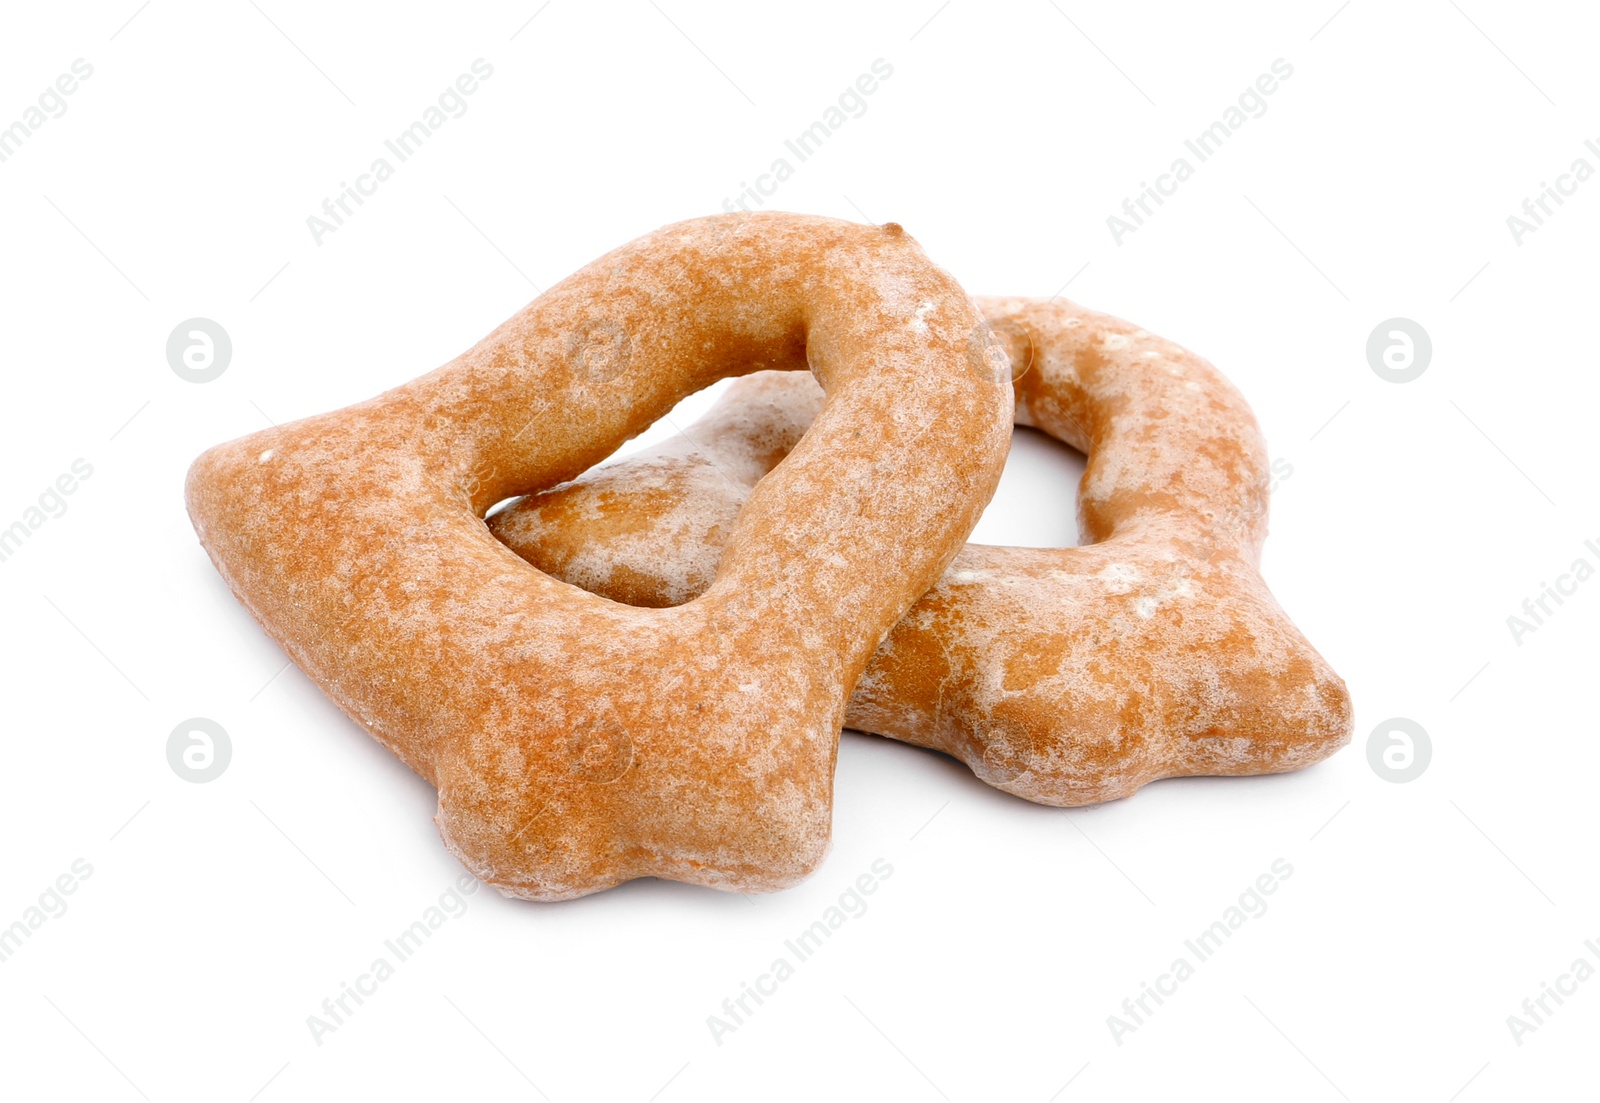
(576, 742)
(1066, 676)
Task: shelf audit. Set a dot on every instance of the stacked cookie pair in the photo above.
(643, 669)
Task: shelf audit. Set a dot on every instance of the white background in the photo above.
(1417, 518)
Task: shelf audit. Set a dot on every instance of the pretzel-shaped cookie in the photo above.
(1066, 676)
(575, 742)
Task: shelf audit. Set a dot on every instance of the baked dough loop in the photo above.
(576, 742)
(1067, 676)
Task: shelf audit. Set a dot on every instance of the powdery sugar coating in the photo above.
(576, 742)
(1067, 676)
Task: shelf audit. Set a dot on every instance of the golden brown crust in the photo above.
(576, 742)
(1067, 676)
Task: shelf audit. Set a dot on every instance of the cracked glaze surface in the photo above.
(1067, 676)
(576, 742)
